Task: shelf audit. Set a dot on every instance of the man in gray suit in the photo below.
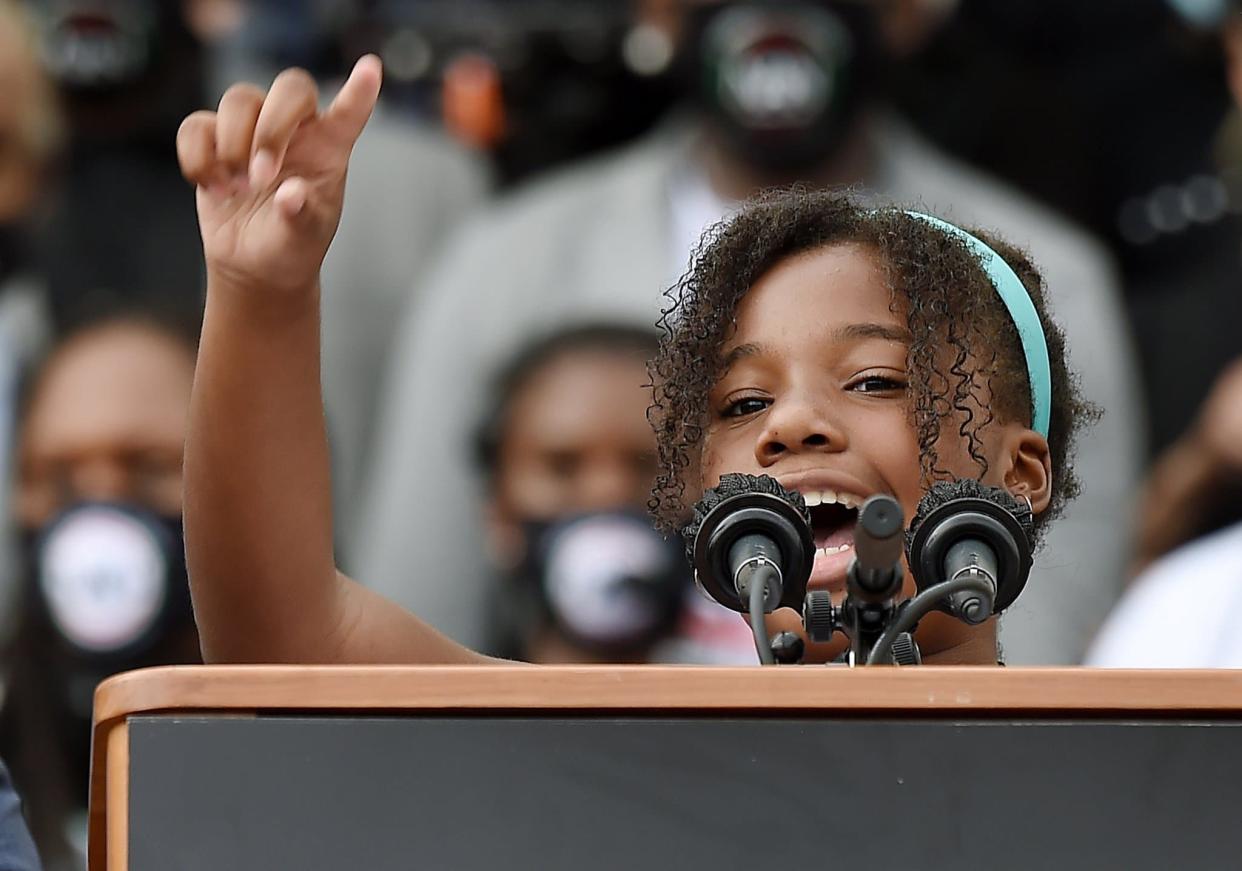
(408, 187)
(782, 96)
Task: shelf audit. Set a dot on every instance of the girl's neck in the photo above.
(979, 648)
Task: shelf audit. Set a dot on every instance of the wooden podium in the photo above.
(547, 768)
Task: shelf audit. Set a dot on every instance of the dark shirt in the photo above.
(17, 851)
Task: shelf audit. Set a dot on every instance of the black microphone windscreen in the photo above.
(740, 505)
(952, 510)
(736, 484)
(944, 492)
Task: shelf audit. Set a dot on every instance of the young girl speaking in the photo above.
(843, 350)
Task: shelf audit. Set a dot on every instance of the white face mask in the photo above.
(608, 581)
(111, 579)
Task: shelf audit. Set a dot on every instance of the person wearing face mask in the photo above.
(130, 70)
(772, 94)
(104, 580)
(581, 574)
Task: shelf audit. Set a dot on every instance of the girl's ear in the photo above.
(1028, 473)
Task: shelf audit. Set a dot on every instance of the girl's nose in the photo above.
(795, 427)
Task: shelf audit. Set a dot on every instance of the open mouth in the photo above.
(833, 516)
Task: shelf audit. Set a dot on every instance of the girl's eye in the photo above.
(878, 384)
(745, 406)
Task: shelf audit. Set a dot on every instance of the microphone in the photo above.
(874, 577)
(875, 573)
(742, 525)
(967, 529)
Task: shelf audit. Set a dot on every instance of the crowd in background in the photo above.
(537, 173)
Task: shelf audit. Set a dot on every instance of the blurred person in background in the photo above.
(30, 136)
(530, 84)
(1195, 486)
(104, 585)
(1137, 139)
(771, 94)
(569, 458)
(1189, 547)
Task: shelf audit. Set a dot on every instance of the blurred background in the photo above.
(537, 173)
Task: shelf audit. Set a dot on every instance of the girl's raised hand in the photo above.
(270, 175)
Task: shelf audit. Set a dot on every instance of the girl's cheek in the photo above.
(710, 465)
(722, 452)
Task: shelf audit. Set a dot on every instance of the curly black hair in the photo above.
(950, 303)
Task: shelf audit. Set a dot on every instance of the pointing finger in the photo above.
(293, 98)
(353, 105)
(235, 120)
(196, 148)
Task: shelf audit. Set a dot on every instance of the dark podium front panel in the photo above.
(547, 793)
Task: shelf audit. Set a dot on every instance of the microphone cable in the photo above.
(920, 606)
(758, 589)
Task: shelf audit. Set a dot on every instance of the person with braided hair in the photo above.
(840, 348)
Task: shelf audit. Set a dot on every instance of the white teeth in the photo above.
(830, 551)
(830, 497)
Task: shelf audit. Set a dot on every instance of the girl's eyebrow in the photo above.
(750, 349)
(872, 331)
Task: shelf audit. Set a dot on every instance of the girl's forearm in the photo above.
(258, 516)
(258, 502)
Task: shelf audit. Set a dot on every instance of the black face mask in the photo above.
(608, 582)
(107, 592)
(782, 83)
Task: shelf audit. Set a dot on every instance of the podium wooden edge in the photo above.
(1043, 693)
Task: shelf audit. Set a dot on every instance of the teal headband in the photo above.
(1017, 300)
